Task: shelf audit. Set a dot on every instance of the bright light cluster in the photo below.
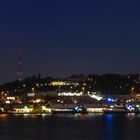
(59, 83)
(70, 94)
(94, 96)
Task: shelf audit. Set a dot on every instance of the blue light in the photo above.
(109, 100)
(109, 116)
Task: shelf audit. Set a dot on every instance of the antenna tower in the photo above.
(19, 72)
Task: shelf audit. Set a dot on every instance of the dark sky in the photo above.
(62, 37)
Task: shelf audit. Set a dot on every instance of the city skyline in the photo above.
(64, 38)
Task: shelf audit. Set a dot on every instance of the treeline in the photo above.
(106, 83)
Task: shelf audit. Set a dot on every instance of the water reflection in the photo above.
(70, 127)
(79, 116)
(138, 116)
(3, 116)
(109, 117)
(110, 126)
(44, 116)
(131, 116)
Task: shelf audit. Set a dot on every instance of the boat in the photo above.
(77, 109)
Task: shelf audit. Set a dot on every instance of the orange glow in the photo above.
(3, 115)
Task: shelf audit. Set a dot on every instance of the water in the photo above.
(70, 127)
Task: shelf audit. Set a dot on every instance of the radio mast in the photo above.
(19, 71)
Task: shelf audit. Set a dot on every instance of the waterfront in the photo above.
(70, 127)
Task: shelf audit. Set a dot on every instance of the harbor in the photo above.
(74, 103)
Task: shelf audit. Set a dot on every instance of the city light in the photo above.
(95, 96)
(70, 94)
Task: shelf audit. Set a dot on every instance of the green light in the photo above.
(112, 106)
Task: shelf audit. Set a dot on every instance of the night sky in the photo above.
(64, 37)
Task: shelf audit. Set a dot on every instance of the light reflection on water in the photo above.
(110, 126)
(70, 127)
(91, 116)
(109, 117)
(3, 116)
(131, 116)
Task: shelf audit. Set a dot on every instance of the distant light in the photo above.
(25, 107)
(58, 101)
(38, 100)
(110, 100)
(94, 96)
(37, 85)
(75, 102)
(131, 107)
(112, 106)
(132, 88)
(7, 102)
(70, 94)
(24, 85)
(33, 90)
(30, 94)
(137, 106)
(78, 109)
(11, 98)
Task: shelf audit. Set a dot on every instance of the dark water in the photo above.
(70, 127)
